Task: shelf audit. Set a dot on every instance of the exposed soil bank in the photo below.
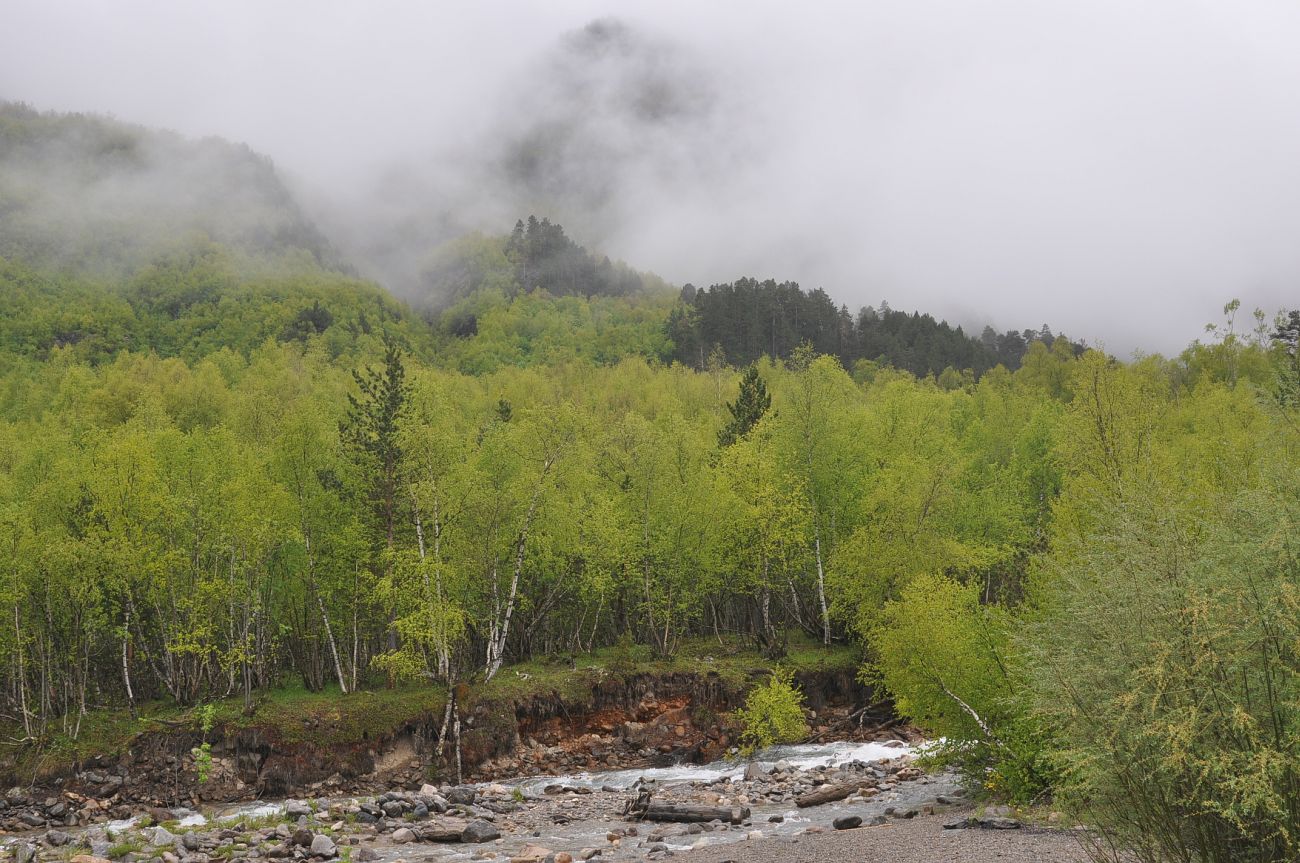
(609, 722)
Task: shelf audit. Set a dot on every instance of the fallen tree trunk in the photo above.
(687, 814)
(831, 793)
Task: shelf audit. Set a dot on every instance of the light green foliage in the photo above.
(202, 753)
(946, 660)
(773, 714)
(1166, 657)
(1080, 566)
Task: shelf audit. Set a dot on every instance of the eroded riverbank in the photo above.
(535, 818)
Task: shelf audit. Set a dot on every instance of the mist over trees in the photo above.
(91, 195)
(227, 464)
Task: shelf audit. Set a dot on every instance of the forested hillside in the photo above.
(228, 465)
(748, 319)
(93, 196)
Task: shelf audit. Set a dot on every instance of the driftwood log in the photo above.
(831, 793)
(688, 814)
(643, 808)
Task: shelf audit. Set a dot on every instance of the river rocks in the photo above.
(57, 838)
(479, 830)
(461, 795)
(754, 772)
(295, 809)
(444, 830)
(24, 852)
(323, 846)
(303, 837)
(403, 835)
(847, 822)
(190, 842)
(161, 837)
(531, 854)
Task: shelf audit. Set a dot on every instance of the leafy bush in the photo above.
(773, 713)
(203, 752)
(945, 659)
(1169, 654)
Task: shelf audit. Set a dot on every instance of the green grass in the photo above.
(120, 849)
(292, 714)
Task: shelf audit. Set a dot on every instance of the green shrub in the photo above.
(773, 713)
(945, 659)
(1169, 655)
(203, 752)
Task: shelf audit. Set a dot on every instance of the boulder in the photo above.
(24, 853)
(445, 830)
(58, 838)
(847, 822)
(323, 846)
(754, 771)
(461, 795)
(403, 835)
(479, 830)
(161, 837)
(295, 809)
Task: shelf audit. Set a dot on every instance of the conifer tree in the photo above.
(748, 408)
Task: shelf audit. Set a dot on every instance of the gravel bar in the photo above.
(917, 840)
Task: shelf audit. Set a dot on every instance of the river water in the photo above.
(596, 814)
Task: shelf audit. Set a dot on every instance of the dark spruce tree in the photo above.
(748, 408)
(370, 430)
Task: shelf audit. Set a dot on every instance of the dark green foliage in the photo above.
(748, 408)
(749, 319)
(371, 429)
(545, 259)
(1286, 340)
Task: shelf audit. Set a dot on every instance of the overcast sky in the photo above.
(1118, 170)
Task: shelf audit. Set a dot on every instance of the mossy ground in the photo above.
(292, 714)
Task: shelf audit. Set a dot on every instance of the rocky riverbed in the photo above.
(799, 791)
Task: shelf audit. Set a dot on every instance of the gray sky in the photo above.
(1118, 170)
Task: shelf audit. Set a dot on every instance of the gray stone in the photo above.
(191, 842)
(754, 771)
(847, 822)
(58, 838)
(461, 795)
(302, 836)
(161, 837)
(479, 830)
(24, 853)
(31, 819)
(365, 855)
(323, 846)
(296, 809)
(393, 809)
(403, 835)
